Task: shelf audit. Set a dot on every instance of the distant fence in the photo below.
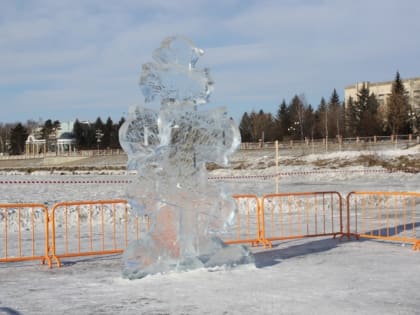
(308, 146)
(84, 228)
(303, 146)
(77, 153)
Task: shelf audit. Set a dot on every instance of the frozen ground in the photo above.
(316, 276)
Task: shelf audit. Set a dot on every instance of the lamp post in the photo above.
(412, 118)
(98, 136)
(293, 128)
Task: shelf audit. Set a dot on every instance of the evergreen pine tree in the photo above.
(334, 115)
(18, 136)
(47, 129)
(122, 120)
(362, 114)
(398, 107)
(322, 123)
(352, 118)
(245, 128)
(370, 124)
(360, 111)
(78, 133)
(107, 133)
(283, 120)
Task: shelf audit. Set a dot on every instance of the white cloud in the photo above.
(88, 54)
(27, 60)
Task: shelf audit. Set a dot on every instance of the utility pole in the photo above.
(326, 129)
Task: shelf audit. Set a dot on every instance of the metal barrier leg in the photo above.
(261, 225)
(57, 261)
(47, 260)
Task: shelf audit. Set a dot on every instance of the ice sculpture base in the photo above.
(140, 260)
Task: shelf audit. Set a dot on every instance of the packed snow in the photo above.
(317, 276)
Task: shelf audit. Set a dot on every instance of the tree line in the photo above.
(97, 135)
(363, 116)
(295, 120)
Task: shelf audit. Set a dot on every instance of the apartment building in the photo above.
(382, 90)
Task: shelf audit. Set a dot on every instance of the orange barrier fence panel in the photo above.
(24, 232)
(302, 214)
(84, 228)
(248, 224)
(392, 216)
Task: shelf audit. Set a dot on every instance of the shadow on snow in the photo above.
(274, 256)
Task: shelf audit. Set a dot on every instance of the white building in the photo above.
(60, 140)
(65, 138)
(382, 91)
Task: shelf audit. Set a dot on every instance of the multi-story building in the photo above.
(382, 91)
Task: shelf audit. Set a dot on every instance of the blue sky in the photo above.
(82, 59)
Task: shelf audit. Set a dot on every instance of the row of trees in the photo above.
(98, 134)
(362, 116)
(14, 136)
(87, 135)
(297, 119)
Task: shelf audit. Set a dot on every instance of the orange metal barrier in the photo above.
(249, 225)
(305, 214)
(24, 233)
(84, 228)
(391, 216)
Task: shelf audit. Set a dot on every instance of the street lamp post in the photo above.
(412, 118)
(291, 130)
(99, 136)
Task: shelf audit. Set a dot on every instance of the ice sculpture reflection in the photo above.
(169, 149)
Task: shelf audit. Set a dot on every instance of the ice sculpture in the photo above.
(169, 148)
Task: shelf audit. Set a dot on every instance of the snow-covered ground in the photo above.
(315, 276)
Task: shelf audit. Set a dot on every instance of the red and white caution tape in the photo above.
(263, 177)
(14, 182)
(306, 173)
